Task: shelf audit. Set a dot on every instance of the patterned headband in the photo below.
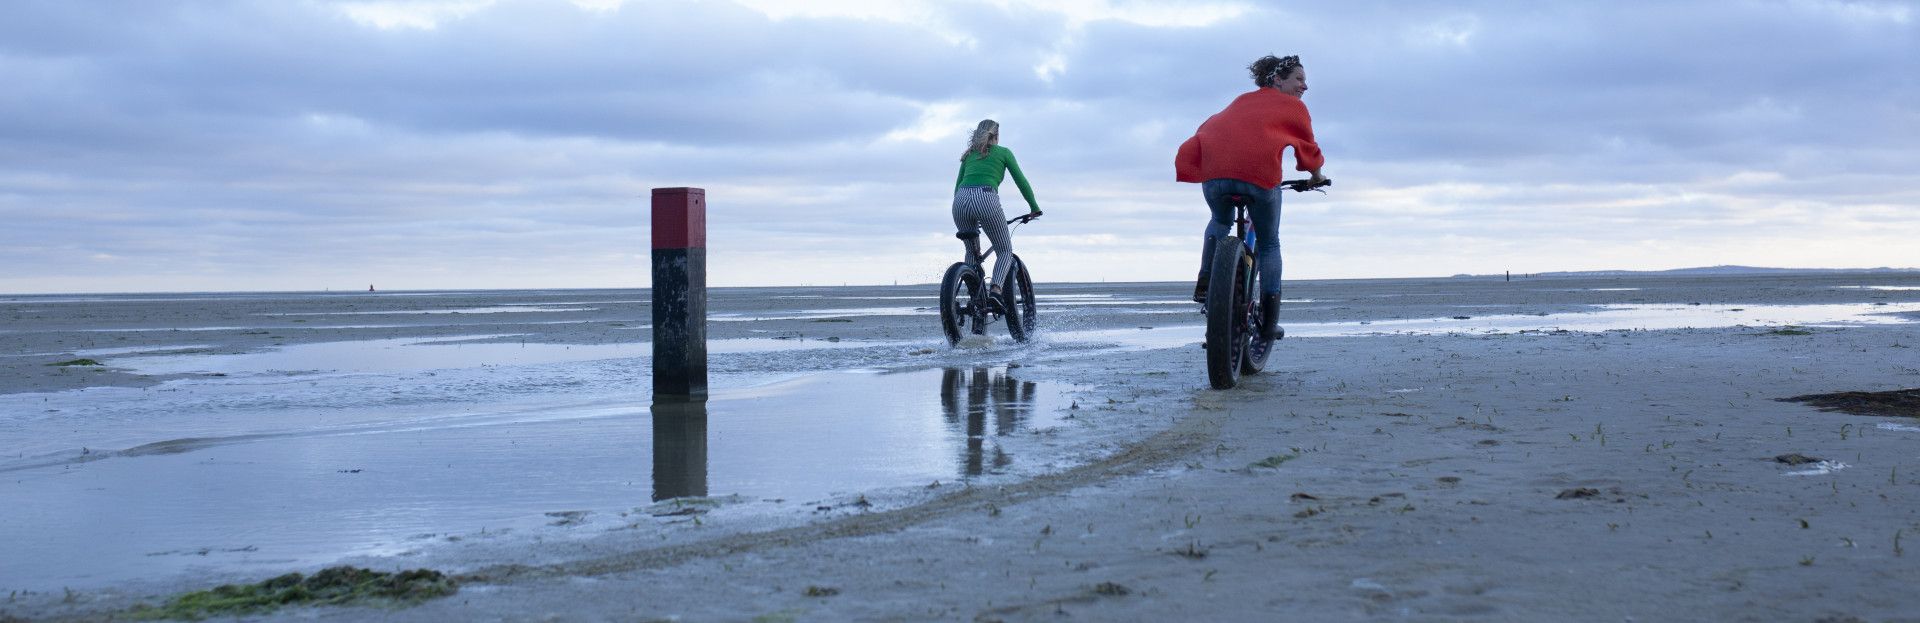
(1286, 64)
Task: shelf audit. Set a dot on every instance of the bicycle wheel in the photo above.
(1257, 349)
(1022, 314)
(1226, 313)
(959, 309)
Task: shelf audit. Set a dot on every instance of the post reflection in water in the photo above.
(967, 396)
(679, 450)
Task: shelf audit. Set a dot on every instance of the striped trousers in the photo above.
(977, 208)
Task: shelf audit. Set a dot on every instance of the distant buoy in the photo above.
(369, 287)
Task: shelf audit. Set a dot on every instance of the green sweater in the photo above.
(990, 168)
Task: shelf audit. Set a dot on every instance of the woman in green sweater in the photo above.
(976, 198)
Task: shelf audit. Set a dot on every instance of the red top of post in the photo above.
(679, 218)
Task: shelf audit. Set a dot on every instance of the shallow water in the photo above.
(1605, 318)
(419, 354)
(1623, 317)
(303, 453)
(813, 314)
(1609, 318)
(305, 496)
(500, 309)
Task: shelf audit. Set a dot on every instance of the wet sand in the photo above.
(1560, 475)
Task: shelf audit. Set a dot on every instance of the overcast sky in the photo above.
(306, 145)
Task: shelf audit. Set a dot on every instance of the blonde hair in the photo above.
(977, 144)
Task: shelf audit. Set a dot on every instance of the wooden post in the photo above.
(679, 294)
(679, 450)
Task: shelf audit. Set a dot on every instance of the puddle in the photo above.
(1608, 318)
(501, 309)
(1149, 338)
(812, 314)
(1898, 427)
(176, 297)
(920, 297)
(135, 350)
(1820, 469)
(1105, 300)
(1115, 303)
(307, 498)
(1624, 317)
(301, 327)
(441, 353)
(100, 352)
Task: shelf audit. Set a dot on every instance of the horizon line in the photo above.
(1724, 270)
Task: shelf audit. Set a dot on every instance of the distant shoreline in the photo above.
(1727, 270)
(1706, 271)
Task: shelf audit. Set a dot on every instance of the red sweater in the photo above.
(1247, 139)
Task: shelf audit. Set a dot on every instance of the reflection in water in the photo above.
(984, 390)
(809, 436)
(679, 450)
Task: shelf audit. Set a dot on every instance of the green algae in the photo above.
(333, 586)
(1274, 461)
(1896, 403)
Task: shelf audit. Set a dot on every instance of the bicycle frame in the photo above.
(1016, 222)
(966, 305)
(1243, 227)
(1243, 224)
(1234, 307)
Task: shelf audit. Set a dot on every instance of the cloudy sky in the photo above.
(199, 145)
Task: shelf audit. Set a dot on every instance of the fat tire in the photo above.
(1017, 298)
(1257, 349)
(1226, 339)
(957, 304)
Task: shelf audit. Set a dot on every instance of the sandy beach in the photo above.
(1595, 449)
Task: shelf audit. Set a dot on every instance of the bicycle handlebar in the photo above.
(1025, 218)
(1301, 186)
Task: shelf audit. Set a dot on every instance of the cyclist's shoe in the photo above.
(994, 302)
(1200, 289)
(1270, 318)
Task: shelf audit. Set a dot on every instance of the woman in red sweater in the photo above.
(1238, 151)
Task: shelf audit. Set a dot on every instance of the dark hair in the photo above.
(1271, 68)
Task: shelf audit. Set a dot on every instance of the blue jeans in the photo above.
(1263, 209)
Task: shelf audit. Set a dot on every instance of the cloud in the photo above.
(511, 143)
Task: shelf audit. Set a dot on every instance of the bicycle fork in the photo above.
(1250, 265)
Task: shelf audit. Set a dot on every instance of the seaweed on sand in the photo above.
(332, 586)
(1899, 402)
(1274, 461)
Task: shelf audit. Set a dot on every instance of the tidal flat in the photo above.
(1404, 455)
